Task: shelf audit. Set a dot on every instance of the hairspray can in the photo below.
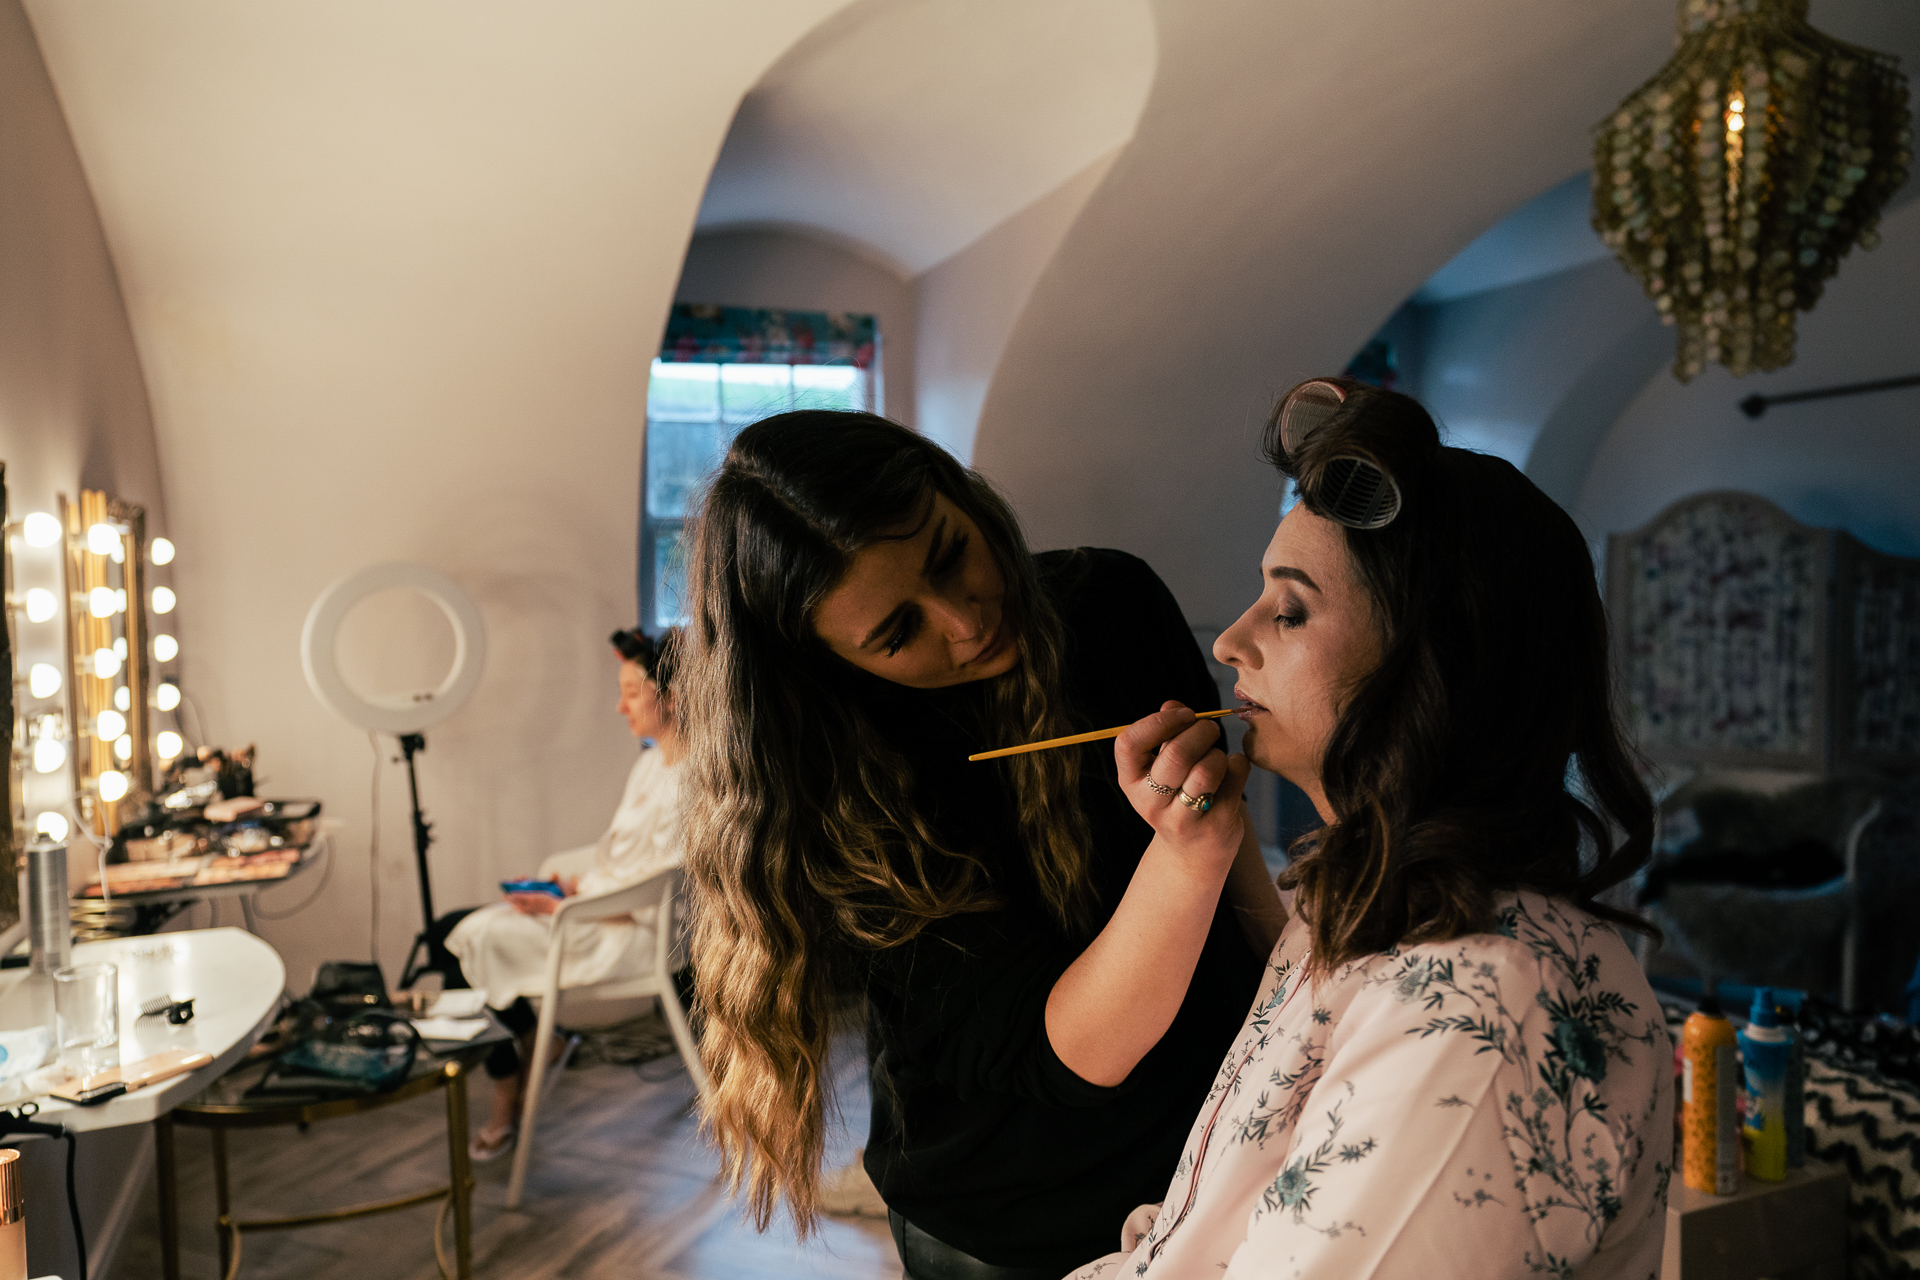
(1767, 1049)
(1709, 1092)
(13, 1219)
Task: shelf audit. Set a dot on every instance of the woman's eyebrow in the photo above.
(1294, 575)
(933, 547)
(886, 625)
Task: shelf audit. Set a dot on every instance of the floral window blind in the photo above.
(719, 369)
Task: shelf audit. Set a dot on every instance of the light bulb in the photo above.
(109, 725)
(106, 663)
(123, 699)
(41, 605)
(169, 744)
(119, 599)
(123, 747)
(119, 552)
(51, 825)
(167, 697)
(102, 539)
(100, 602)
(113, 785)
(40, 529)
(44, 680)
(160, 551)
(120, 648)
(162, 600)
(49, 754)
(165, 648)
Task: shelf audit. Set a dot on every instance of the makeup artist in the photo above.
(864, 615)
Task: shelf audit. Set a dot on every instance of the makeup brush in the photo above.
(1078, 738)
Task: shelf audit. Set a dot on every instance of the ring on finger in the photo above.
(1199, 804)
(1160, 790)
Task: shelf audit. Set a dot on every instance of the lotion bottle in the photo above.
(1767, 1049)
(1709, 1094)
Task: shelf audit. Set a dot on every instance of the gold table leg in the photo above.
(169, 1198)
(222, 1204)
(460, 1168)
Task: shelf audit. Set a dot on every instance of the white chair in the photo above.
(604, 1004)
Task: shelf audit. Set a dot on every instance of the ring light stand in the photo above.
(403, 715)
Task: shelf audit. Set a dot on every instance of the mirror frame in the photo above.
(85, 570)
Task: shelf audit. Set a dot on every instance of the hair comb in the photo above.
(1353, 491)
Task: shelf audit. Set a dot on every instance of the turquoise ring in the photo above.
(1199, 804)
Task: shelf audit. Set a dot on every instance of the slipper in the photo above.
(490, 1144)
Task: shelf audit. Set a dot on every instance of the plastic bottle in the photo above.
(1709, 1090)
(1796, 1095)
(1767, 1050)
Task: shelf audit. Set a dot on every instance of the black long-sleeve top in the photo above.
(981, 1136)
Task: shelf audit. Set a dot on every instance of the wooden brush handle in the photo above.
(1078, 738)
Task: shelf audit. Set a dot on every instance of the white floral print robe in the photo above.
(1500, 1105)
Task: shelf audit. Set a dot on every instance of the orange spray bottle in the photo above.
(1709, 1093)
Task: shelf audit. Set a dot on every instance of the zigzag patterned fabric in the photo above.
(1871, 1125)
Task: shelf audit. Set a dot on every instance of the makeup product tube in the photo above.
(49, 909)
(1766, 1048)
(1709, 1091)
(13, 1219)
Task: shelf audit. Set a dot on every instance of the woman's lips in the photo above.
(1248, 707)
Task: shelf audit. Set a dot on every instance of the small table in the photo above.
(228, 1105)
(1791, 1230)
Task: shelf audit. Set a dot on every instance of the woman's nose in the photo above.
(1231, 647)
(959, 618)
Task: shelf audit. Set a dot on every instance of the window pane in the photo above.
(750, 392)
(829, 386)
(680, 457)
(684, 392)
(669, 576)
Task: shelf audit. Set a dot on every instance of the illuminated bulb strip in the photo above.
(41, 605)
(40, 529)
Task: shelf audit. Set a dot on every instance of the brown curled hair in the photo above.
(1484, 751)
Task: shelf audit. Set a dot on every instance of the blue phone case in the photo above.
(532, 886)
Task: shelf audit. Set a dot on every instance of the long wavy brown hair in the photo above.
(1484, 751)
(804, 848)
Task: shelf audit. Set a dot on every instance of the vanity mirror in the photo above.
(108, 647)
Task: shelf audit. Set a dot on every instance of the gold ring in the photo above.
(1199, 804)
(1160, 790)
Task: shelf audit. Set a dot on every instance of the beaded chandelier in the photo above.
(1734, 181)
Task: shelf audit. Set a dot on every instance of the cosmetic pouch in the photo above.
(373, 1049)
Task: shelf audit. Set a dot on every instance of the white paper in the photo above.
(459, 1004)
(449, 1028)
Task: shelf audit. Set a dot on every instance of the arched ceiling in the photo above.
(912, 127)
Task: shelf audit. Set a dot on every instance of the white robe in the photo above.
(504, 952)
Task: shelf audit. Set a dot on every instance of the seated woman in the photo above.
(502, 949)
(1454, 1066)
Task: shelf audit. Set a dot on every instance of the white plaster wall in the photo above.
(395, 274)
(970, 302)
(802, 270)
(1297, 172)
(1852, 463)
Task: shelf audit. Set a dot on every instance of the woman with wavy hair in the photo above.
(1454, 1066)
(1048, 988)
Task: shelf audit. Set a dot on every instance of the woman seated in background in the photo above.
(1454, 1066)
(502, 948)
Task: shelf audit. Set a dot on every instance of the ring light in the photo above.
(402, 713)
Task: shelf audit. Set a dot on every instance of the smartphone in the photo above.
(548, 887)
(92, 1094)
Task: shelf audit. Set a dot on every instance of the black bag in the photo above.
(347, 987)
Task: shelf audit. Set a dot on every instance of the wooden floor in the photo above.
(621, 1185)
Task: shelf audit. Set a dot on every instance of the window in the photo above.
(721, 368)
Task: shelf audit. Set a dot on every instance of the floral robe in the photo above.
(1499, 1105)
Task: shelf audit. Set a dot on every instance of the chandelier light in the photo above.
(1734, 181)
